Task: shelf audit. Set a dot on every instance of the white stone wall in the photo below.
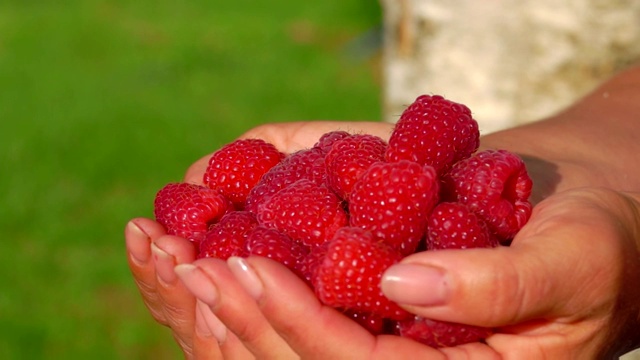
(510, 61)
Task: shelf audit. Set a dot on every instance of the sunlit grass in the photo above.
(102, 103)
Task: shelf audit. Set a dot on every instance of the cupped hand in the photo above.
(293, 136)
(565, 289)
(152, 255)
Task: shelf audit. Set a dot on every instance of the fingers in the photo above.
(242, 330)
(152, 256)
(177, 303)
(315, 331)
(543, 273)
(555, 286)
(139, 233)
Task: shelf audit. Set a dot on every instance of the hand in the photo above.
(293, 136)
(566, 288)
(152, 255)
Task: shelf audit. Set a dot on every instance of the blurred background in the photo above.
(102, 102)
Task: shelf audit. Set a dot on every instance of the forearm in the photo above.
(596, 142)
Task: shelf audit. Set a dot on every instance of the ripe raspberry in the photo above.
(349, 157)
(228, 237)
(434, 131)
(326, 140)
(454, 226)
(307, 212)
(187, 210)
(349, 275)
(236, 167)
(308, 265)
(275, 245)
(495, 185)
(393, 201)
(440, 334)
(304, 164)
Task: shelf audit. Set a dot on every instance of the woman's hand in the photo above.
(152, 255)
(565, 289)
(293, 136)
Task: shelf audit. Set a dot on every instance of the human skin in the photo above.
(565, 288)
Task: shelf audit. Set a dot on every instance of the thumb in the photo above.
(485, 287)
(563, 265)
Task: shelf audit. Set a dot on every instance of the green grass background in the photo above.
(102, 102)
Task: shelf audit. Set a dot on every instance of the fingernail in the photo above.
(246, 276)
(198, 283)
(208, 324)
(165, 264)
(138, 244)
(413, 284)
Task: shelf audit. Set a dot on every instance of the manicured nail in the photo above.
(413, 284)
(198, 283)
(246, 276)
(208, 324)
(165, 264)
(138, 244)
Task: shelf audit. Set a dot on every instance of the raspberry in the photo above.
(349, 275)
(440, 334)
(236, 167)
(495, 185)
(308, 265)
(393, 200)
(454, 226)
(340, 213)
(228, 237)
(434, 131)
(326, 140)
(307, 212)
(275, 245)
(303, 164)
(187, 210)
(349, 157)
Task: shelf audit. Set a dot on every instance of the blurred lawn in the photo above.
(104, 101)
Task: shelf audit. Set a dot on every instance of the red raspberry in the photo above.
(495, 185)
(349, 157)
(434, 131)
(236, 167)
(440, 334)
(454, 226)
(326, 140)
(228, 237)
(187, 210)
(393, 200)
(304, 164)
(349, 275)
(275, 245)
(307, 212)
(308, 265)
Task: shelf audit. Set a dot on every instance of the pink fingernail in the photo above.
(207, 323)
(165, 264)
(138, 244)
(246, 276)
(196, 281)
(413, 284)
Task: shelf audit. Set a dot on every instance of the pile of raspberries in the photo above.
(340, 213)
